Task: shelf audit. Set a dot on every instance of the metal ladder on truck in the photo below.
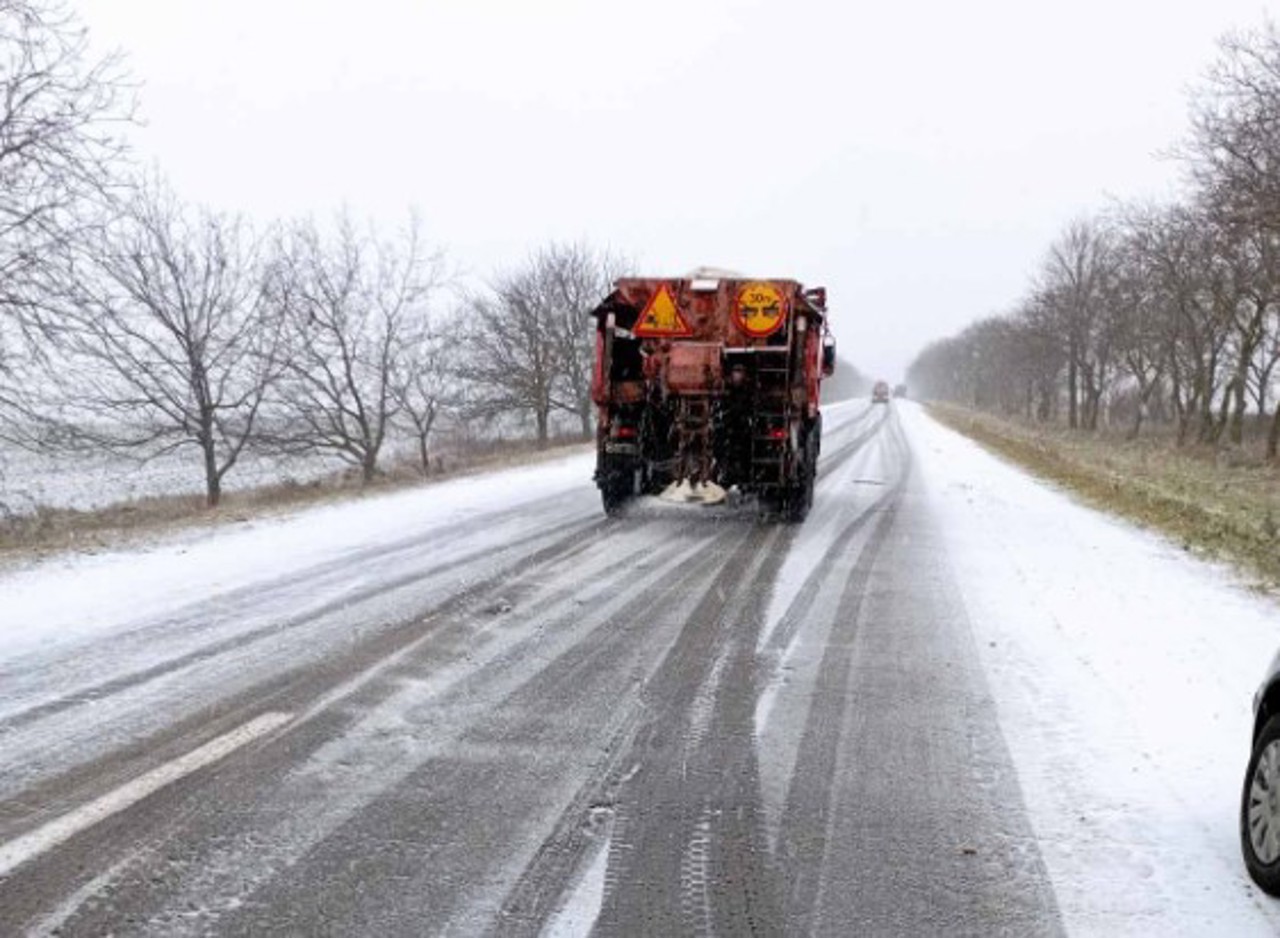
(772, 413)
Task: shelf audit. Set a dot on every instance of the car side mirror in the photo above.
(828, 356)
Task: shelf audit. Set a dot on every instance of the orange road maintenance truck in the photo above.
(708, 383)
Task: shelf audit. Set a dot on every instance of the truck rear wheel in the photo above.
(815, 443)
(614, 500)
(618, 488)
(790, 505)
(799, 498)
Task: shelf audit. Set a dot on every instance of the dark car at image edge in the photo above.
(1260, 800)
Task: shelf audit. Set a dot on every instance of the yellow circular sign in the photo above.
(760, 309)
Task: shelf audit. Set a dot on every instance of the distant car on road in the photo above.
(880, 393)
(899, 390)
(1260, 801)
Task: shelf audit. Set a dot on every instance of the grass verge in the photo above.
(52, 530)
(1222, 508)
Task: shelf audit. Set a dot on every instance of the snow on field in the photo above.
(1123, 671)
(76, 596)
(95, 480)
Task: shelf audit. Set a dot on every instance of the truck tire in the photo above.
(772, 506)
(799, 501)
(617, 488)
(800, 497)
(614, 500)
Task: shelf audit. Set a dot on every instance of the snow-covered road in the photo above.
(953, 701)
(1123, 670)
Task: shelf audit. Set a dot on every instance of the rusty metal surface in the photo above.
(710, 314)
(694, 367)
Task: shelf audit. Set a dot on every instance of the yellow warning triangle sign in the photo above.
(661, 317)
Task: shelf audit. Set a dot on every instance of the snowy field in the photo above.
(1122, 668)
(95, 480)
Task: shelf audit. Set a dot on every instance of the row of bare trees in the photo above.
(177, 329)
(1154, 312)
(180, 329)
(133, 322)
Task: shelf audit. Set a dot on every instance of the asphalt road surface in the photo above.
(682, 721)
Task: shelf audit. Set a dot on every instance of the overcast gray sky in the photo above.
(915, 157)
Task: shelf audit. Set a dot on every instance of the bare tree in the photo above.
(1138, 324)
(1235, 130)
(1252, 260)
(351, 302)
(1045, 352)
(512, 359)
(1075, 280)
(1262, 369)
(425, 384)
(575, 278)
(531, 345)
(60, 114)
(1180, 252)
(167, 343)
(1232, 155)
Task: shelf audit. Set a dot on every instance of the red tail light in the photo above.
(778, 433)
(624, 433)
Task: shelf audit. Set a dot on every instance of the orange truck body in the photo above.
(711, 380)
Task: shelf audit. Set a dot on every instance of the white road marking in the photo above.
(51, 925)
(577, 916)
(31, 845)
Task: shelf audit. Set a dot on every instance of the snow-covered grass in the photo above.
(1123, 671)
(97, 500)
(1225, 503)
(94, 480)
